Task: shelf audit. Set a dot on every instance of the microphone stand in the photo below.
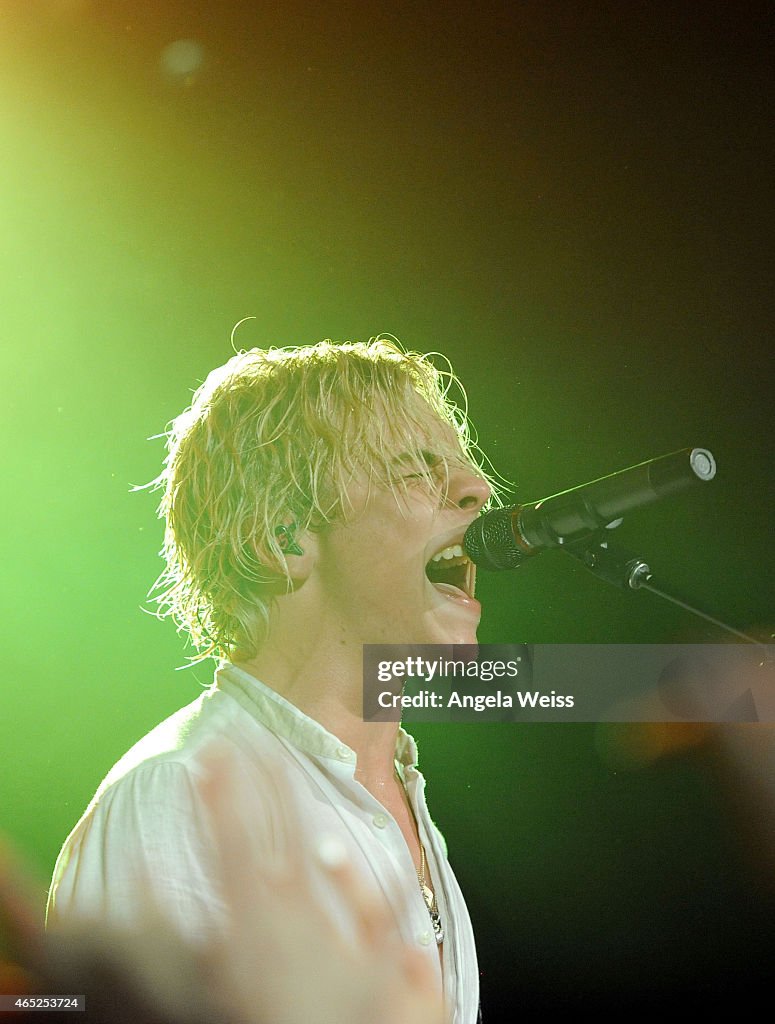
(623, 569)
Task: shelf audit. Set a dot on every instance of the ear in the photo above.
(299, 549)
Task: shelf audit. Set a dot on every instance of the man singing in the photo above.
(306, 492)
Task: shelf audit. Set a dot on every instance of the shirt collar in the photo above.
(289, 722)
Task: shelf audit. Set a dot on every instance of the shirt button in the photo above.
(425, 939)
(380, 820)
(343, 753)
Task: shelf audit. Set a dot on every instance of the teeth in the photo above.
(455, 551)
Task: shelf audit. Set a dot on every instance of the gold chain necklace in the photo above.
(428, 895)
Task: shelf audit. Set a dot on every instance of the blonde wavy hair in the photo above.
(278, 435)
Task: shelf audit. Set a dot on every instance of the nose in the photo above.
(467, 489)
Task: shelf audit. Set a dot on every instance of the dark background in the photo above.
(573, 202)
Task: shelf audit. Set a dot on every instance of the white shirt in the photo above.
(146, 826)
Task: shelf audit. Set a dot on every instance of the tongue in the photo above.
(449, 591)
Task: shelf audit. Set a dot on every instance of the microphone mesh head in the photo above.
(489, 541)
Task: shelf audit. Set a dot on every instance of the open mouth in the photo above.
(451, 569)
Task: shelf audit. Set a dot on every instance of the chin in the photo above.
(461, 636)
(455, 630)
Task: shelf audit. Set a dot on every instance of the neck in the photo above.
(322, 675)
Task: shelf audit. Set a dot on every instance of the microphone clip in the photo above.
(608, 561)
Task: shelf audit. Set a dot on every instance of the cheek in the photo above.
(386, 544)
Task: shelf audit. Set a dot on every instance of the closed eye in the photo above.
(430, 459)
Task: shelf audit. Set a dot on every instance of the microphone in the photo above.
(504, 537)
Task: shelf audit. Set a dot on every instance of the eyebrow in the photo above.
(431, 459)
